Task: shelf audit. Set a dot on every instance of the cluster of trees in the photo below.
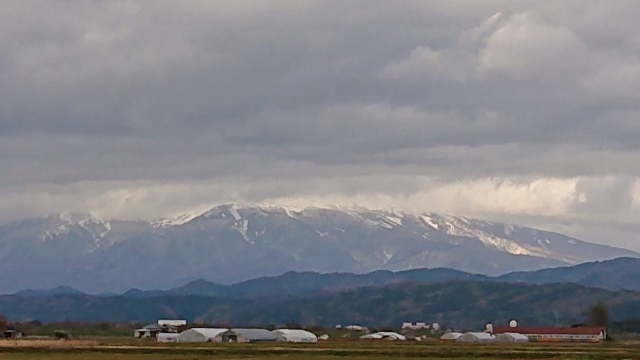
(599, 314)
(4, 324)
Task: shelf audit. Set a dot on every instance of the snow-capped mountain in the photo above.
(230, 243)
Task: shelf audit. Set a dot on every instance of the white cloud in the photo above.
(523, 47)
(502, 109)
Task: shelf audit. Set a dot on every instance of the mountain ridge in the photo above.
(230, 243)
(460, 305)
(615, 275)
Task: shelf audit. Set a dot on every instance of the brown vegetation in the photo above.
(48, 343)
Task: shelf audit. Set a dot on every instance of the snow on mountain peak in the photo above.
(431, 226)
(175, 221)
(278, 239)
(66, 222)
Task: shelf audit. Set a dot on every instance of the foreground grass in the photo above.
(332, 350)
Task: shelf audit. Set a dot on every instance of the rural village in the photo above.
(176, 331)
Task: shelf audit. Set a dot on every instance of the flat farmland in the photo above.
(331, 350)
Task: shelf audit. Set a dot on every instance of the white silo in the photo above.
(513, 324)
(489, 328)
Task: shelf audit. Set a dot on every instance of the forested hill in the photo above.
(459, 304)
(617, 274)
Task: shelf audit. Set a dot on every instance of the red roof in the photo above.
(550, 330)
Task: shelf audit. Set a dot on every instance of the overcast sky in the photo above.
(521, 111)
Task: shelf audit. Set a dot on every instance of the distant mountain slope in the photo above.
(230, 243)
(462, 305)
(617, 274)
(60, 290)
(300, 284)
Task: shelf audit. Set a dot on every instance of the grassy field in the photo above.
(332, 350)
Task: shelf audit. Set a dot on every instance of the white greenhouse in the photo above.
(475, 337)
(451, 336)
(246, 336)
(511, 337)
(295, 336)
(384, 335)
(199, 335)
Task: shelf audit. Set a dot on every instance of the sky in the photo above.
(518, 111)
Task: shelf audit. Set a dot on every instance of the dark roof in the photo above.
(153, 327)
(255, 334)
(550, 330)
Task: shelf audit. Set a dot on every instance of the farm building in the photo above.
(451, 336)
(246, 336)
(417, 326)
(13, 334)
(355, 328)
(558, 334)
(475, 337)
(151, 330)
(172, 323)
(168, 337)
(511, 337)
(200, 335)
(384, 335)
(295, 336)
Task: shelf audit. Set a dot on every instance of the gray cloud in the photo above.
(159, 107)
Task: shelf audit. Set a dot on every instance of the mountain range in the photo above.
(557, 296)
(618, 274)
(458, 304)
(230, 243)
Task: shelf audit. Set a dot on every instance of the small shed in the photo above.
(246, 336)
(475, 337)
(295, 336)
(13, 334)
(62, 334)
(511, 337)
(168, 337)
(200, 335)
(451, 336)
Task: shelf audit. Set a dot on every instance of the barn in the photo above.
(475, 337)
(199, 335)
(558, 334)
(450, 336)
(511, 337)
(246, 336)
(295, 336)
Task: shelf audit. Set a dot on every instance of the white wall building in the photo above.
(168, 337)
(173, 323)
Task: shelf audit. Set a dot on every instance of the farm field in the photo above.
(331, 350)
